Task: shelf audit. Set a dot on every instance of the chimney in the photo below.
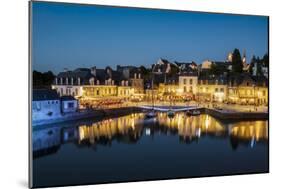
(255, 68)
(94, 71)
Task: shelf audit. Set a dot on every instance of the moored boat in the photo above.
(193, 112)
(151, 114)
(171, 113)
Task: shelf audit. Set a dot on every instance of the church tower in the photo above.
(229, 57)
(244, 61)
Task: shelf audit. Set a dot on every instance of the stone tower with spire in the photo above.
(244, 61)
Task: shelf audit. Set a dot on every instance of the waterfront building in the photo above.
(188, 85)
(247, 89)
(151, 94)
(69, 104)
(125, 91)
(45, 104)
(93, 84)
(212, 89)
(168, 92)
(137, 82)
(72, 82)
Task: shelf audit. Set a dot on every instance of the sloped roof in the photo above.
(213, 79)
(83, 73)
(241, 79)
(65, 98)
(44, 94)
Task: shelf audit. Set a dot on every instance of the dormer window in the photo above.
(79, 81)
(61, 81)
(72, 81)
(56, 80)
(139, 75)
(66, 81)
(92, 81)
(135, 75)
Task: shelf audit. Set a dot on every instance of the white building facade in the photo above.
(46, 105)
(188, 84)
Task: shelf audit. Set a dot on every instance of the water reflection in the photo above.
(46, 141)
(130, 129)
(127, 129)
(192, 127)
(248, 133)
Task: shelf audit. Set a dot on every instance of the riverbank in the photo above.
(221, 114)
(89, 114)
(233, 115)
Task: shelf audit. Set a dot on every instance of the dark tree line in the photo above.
(259, 62)
(237, 64)
(42, 80)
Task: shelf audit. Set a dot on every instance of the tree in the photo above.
(42, 80)
(252, 63)
(266, 60)
(237, 65)
(218, 69)
(256, 63)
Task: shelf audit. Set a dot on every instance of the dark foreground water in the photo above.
(133, 148)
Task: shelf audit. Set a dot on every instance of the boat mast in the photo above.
(152, 80)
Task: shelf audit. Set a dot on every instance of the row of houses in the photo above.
(96, 83)
(167, 80)
(193, 81)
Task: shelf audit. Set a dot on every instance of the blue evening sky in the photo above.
(71, 36)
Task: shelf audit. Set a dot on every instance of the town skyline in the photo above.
(131, 36)
(148, 65)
